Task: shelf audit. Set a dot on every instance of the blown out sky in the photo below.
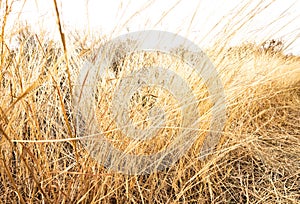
(199, 20)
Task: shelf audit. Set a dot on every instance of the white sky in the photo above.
(191, 18)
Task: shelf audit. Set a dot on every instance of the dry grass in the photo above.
(257, 160)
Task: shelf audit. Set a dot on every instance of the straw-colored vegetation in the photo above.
(41, 160)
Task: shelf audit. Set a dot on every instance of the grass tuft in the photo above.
(42, 160)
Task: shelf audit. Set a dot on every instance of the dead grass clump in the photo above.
(257, 160)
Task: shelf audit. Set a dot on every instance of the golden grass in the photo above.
(257, 160)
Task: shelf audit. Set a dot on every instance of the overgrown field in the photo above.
(43, 161)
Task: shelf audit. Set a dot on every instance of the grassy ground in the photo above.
(257, 160)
